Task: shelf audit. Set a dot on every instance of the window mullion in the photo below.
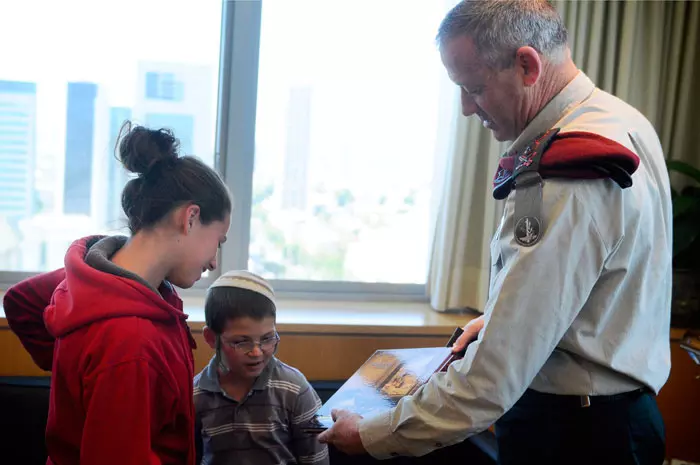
(237, 112)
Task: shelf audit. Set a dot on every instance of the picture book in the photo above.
(386, 377)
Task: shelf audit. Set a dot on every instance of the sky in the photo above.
(54, 42)
(376, 77)
(372, 64)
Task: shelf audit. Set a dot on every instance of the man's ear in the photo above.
(210, 337)
(529, 64)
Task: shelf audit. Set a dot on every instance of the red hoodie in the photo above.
(122, 365)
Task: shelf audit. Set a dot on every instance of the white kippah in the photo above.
(243, 279)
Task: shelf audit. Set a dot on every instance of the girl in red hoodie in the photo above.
(110, 325)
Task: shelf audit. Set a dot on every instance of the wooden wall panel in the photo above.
(321, 357)
(324, 357)
(14, 360)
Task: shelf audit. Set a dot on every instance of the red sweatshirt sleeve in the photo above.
(24, 306)
(124, 408)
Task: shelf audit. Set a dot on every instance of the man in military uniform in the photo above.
(574, 341)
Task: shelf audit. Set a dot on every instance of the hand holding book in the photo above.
(462, 337)
(386, 377)
(389, 375)
(346, 434)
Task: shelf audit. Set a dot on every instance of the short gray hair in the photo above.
(500, 27)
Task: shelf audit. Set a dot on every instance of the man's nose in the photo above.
(469, 107)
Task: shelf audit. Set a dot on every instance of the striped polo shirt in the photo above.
(264, 428)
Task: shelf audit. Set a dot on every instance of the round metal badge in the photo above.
(528, 231)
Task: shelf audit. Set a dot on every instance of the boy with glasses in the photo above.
(250, 406)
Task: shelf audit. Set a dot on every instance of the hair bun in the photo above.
(142, 148)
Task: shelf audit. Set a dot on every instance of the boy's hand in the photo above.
(471, 332)
(345, 433)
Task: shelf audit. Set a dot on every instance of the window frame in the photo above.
(235, 121)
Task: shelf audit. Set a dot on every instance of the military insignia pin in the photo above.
(528, 231)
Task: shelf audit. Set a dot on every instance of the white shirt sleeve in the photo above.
(535, 296)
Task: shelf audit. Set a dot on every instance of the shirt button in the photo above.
(438, 444)
(394, 454)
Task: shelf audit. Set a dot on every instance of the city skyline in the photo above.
(17, 147)
(17, 160)
(84, 195)
(346, 142)
(88, 193)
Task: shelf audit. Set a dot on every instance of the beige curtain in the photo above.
(460, 255)
(646, 53)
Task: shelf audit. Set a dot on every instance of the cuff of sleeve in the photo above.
(378, 438)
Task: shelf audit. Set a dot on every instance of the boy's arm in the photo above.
(305, 446)
(24, 305)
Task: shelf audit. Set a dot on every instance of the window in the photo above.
(66, 86)
(346, 130)
(326, 119)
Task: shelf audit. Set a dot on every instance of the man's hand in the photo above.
(471, 332)
(345, 433)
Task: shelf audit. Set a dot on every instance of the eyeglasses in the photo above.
(267, 344)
